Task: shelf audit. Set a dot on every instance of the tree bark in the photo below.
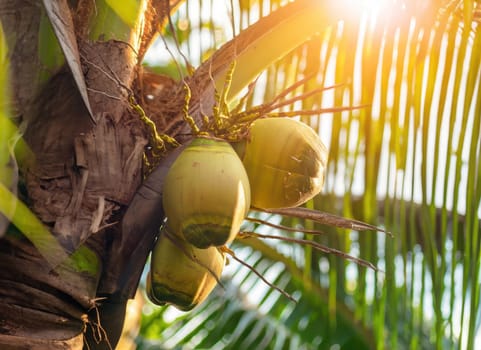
(83, 178)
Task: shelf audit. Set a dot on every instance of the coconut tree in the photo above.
(76, 226)
(80, 200)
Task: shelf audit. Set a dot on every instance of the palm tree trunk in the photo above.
(84, 175)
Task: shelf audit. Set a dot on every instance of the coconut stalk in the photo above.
(88, 140)
(237, 63)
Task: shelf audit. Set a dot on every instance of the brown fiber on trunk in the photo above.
(29, 343)
(83, 178)
(38, 306)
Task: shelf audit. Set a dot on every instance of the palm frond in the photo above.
(413, 145)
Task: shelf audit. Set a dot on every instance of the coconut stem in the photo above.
(283, 292)
(285, 228)
(315, 245)
(325, 219)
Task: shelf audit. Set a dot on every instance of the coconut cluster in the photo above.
(208, 192)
